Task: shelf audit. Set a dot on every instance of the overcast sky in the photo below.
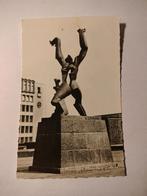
(99, 72)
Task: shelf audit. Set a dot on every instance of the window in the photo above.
(22, 139)
(27, 108)
(29, 86)
(25, 85)
(22, 118)
(31, 118)
(31, 129)
(39, 90)
(27, 118)
(27, 98)
(32, 86)
(31, 99)
(22, 129)
(23, 108)
(26, 139)
(22, 86)
(30, 139)
(31, 108)
(23, 98)
(27, 129)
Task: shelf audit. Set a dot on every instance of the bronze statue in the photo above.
(70, 66)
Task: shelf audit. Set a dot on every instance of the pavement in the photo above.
(23, 164)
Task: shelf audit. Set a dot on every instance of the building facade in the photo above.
(31, 110)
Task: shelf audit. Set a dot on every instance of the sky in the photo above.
(99, 72)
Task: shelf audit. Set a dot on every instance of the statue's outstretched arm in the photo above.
(58, 54)
(83, 45)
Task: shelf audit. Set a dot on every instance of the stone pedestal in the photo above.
(72, 144)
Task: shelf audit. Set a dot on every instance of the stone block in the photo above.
(115, 130)
(67, 158)
(81, 124)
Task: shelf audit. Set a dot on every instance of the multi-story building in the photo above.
(31, 110)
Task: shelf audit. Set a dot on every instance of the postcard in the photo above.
(70, 109)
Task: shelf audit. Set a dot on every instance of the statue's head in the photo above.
(69, 59)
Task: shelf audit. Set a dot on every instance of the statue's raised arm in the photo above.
(58, 54)
(84, 48)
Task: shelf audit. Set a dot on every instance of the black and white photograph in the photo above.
(70, 112)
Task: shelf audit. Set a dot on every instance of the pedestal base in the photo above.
(72, 144)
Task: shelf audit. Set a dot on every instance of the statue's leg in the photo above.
(60, 105)
(76, 93)
(64, 107)
(63, 92)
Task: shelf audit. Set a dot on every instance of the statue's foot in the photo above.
(81, 30)
(54, 41)
(65, 113)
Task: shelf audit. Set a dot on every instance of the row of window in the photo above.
(26, 118)
(27, 98)
(28, 85)
(25, 129)
(25, 139)
(26, 108)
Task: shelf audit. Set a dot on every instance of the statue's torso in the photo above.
(73, 71)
